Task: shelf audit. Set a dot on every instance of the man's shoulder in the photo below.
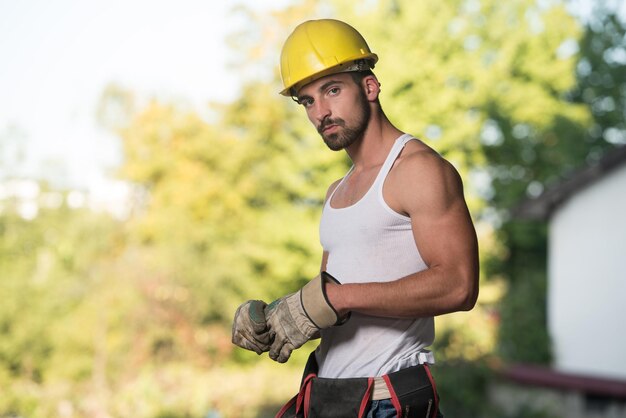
(419, 161)
(422, 178)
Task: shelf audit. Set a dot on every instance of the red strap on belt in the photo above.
(366, 398)
(304, 396)
(394, 398)
(432, 382)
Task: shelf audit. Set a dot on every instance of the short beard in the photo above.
(347, 135)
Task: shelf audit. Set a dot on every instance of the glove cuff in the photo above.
(316, 305)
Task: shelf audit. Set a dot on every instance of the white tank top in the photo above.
(370, 242)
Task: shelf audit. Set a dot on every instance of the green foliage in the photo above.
(524, 336)
(462, 386)
(601, 73)
(232, 209)
(47, 267)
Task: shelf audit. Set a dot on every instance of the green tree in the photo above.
(602, 79)
(47, 270)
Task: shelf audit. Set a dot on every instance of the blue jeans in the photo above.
(384, 409)
(381, 409)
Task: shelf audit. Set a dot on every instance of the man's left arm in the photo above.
(429, 190)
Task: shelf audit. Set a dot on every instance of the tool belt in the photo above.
(413, 394)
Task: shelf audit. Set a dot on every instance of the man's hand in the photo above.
(295, 319)
(250, 329)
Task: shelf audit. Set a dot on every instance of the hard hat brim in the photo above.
(347, 66)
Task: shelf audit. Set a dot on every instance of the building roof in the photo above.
(533, 375)
(542, 206)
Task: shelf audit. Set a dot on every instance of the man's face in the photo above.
(338, 108)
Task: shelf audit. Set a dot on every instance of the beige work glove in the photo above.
(296, 318)
(250, 330)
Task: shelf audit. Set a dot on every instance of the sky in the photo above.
(57, 57)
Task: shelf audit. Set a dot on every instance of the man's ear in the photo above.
(371, 87)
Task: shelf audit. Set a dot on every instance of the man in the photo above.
(398, 244)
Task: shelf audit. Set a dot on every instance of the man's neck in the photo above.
(372, 149)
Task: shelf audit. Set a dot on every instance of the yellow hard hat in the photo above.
(317, 48)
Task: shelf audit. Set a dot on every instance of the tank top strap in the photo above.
(391, 158)
(337, 186)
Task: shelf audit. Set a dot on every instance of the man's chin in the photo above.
(333, 146)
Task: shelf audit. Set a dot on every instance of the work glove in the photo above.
(250, 330)
(296, 318)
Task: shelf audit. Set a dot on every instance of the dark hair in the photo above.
(358, 76)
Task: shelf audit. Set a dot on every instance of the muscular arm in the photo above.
(429, 190)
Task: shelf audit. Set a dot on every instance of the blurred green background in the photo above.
(128, 312)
